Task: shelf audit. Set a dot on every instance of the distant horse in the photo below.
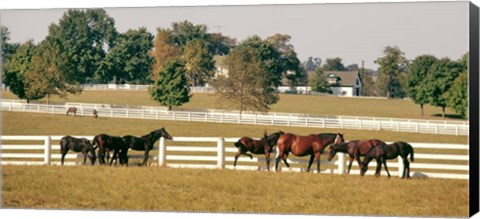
(95, 113)
(145, 143)
(312, 145)
(72, 110)
(77, 145)
(354, 149)
(262, 146)
(106, 143)
(388, 152)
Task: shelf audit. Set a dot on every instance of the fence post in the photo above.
(341, 163)
(221, 153)
(47, 150)
(162, 155)
(400, 166)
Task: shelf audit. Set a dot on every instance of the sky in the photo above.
(351, 31)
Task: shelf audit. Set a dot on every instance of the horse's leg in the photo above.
(386, 168)
(145, 158)
(350, 164)
(64, 152)
(379, 168)
(277, 159)
(406, 165)
(284, 158)
(236, 158)
(312, 156)
(317, 158)
(267, 160)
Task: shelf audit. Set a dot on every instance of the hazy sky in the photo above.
(353, 32)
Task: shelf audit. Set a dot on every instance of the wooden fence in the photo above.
(218, 153)
(278, 119)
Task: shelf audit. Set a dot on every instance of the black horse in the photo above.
(382, 153)
(106, 143)
(145, 143)
(78, 145)
(262, 146)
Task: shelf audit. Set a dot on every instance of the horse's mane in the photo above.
(321, 135)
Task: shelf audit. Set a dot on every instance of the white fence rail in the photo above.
(134, 87)
(279, 119)
(218, 152)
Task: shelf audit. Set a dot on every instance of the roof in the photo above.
(347, 78)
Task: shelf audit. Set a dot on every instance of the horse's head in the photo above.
(90, 147)
(163, 133)
(331, 151)
(339, 139)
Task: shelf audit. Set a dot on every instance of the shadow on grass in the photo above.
(450, 116)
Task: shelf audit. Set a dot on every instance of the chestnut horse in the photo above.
(312, 145)
(72, 110)
(78, 145)
(145, 143)
(354, 149)
(106, 143)
(262, 146)
(388, 152)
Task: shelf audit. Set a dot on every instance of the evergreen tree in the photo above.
(171, 87)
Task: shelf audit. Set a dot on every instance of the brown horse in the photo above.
(312, 145)
(145, 143)
(388, 152)
(354, 149)
(106, 143)
(77, 145)
(262, 146)
(72, 110)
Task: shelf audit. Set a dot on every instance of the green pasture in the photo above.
(226, 191)
(290, 103)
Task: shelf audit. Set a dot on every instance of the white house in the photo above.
(345, 83)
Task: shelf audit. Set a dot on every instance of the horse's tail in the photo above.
(95, 142)
(411, 153)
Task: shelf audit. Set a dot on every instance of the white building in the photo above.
(345, 83)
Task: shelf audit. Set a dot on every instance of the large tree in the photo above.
(200, 66)
(457, 95)
(163, 49)
(415, 83)
(333, 64)
(319, 83)
(292, 68)
(171, 87)
(439, 79)
(129, 60)
(391, 67)
(83, 38)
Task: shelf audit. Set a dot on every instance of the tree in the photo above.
(185, 31)
(333, 64)
(164, 49)
(392, 65)
(368, 86)
(249, 84)
(219, 44)
(292, 68)
(439, 79)
(319, 82)
(200, 66)
(7, 49)
(457, 95)
(83, 38)
(171, 87)
(128, 60)
(415, 83)
(352, 67)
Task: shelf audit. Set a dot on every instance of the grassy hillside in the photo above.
(316, 105)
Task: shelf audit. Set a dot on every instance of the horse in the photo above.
(262, 146)
(312, 145)
(388, 152)
(77, 145)
(354, 149)
(145, 143)
(72, 110)
(106, 143)
(95, 113)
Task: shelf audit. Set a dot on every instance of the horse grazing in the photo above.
(388, 152)
(77, 145)
(354, 149)
(312, 145)
(145, 143)
(106, 143)
(95, 113)
(72, 110)
(262, 146)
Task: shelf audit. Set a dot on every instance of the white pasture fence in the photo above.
(279, 119)
(218, 153)
(135, 87)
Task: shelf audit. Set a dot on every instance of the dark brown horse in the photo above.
(387, 152)
(78, 145)
(262, 146)
(354, 149)
(107, 143)
(312, 145)
(72, 110)
(145, 143)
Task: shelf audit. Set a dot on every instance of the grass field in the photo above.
(188, 190)
(167, 189)
(315, 105)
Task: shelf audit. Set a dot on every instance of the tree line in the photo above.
(85, 47)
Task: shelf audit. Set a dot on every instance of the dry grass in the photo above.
(166, 189)
(315, 105)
